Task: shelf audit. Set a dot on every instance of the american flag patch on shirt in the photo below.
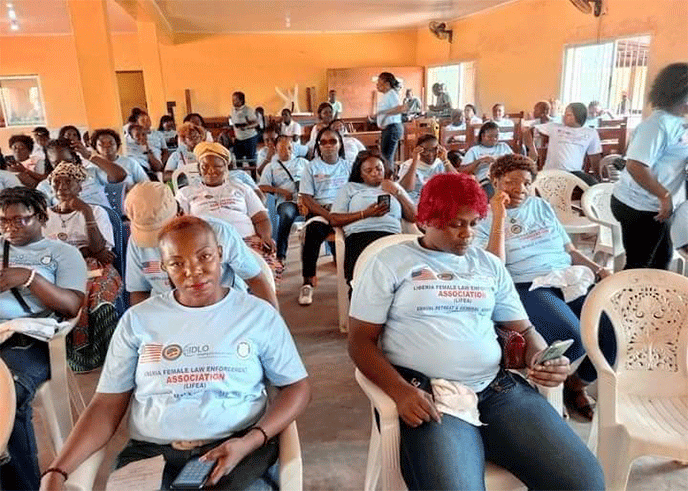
(151, 267)
(150, 353)
(423, 274)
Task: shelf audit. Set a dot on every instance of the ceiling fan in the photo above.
(440, 30)
(597, 7)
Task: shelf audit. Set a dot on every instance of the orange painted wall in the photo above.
(53, 59)
(125, 50)
(519, 46)
(215, 66)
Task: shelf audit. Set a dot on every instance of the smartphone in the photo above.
(10, 160)
(384, 200)
(194, 474)
(554, 350)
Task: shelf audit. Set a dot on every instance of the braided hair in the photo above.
(33, 200)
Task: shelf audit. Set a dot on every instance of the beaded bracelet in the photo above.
(32, 275)
(55, 469)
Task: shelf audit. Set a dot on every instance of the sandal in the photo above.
(580, 402)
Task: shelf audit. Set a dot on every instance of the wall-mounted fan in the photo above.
(598, 7)
(440, 30)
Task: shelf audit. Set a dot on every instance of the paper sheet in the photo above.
(142, 475)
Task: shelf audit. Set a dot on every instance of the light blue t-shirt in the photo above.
(534, 240)
(156, 143)
(679, 226)
(438, 310)
(8, 180)
(135, 173)
(92, 189)
(198, 373)
(356, 196)
(274, 175)
(180, 157)
(479, 151)
(388, 100)
(243, 177)
(424, 173)
(661, 143)
(145, 275)
(56, 261)
(322, 181)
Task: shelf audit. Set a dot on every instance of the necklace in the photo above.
(65, 220)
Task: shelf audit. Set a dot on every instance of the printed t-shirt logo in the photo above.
(151, 267)
(445, 276)
(172, 352)
(46, 259)
(150, 353)
(243, 350)
(423, 274)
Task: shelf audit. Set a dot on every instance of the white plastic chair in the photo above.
(189, 170)
(407, 228)
(596, 203)
(642, 404)
(608, 171)
(556, 187)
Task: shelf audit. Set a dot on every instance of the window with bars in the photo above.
(458, 79)
(612, 72)
(21, 101)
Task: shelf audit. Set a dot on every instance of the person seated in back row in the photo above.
(49, 277)
(479, 157)
(190, 135)
(423, 313)
(504, 124)
(150, 206)
(429, 159)
(215, 406)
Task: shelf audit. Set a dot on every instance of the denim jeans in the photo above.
(28, 361)
(258, 471)
(522, 433)
(389, 139)
(246, 149)
(555, 320)
(287, 213)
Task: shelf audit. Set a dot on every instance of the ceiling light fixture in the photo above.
(14, 25)
(287, 20)
(12, 15)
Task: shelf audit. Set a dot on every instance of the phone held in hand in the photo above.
(194, 475)
(384, 200)
(554, 350)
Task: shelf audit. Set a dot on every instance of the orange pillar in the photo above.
(96, 63)
(149, 39)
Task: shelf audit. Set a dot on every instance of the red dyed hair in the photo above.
(444, 194)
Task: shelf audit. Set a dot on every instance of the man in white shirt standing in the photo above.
(244, 121)
(336, 105)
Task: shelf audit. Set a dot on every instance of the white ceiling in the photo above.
(217, 16)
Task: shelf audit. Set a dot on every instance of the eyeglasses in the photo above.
(331, 141)
(16, 222)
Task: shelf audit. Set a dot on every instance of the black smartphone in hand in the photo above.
(384, 200)
(194, 474)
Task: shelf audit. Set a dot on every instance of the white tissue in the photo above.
(456, 399)
(573, 281)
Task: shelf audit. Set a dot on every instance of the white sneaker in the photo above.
(306, 295)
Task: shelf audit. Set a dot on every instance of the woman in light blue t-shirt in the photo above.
(653, 183)
(524, 232)
(479, 157)
(369, 207)
(388, 116)
(424, 311)
(194, 365)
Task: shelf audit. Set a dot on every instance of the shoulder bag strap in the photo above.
(286, 170)
(15, 291)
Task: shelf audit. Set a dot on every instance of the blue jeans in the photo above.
(389, 140)
(28, 361)
(555, 320)
(522, 433)
(287, 213)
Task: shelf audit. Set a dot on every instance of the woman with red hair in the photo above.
(434, 303)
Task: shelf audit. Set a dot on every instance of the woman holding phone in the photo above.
(426, 309)
(524, 232)
(369, 207)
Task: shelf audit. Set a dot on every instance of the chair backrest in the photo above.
(264, 268)
(188, 170)
(376, 247)
(556, 187)
(8, 406)
(369, 139)
(115, 192)
(608, 169)
(613, 136)
(596, 204)
(649, 311)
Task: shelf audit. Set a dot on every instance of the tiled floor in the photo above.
(335, 428)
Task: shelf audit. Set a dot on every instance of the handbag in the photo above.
(513, 349)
